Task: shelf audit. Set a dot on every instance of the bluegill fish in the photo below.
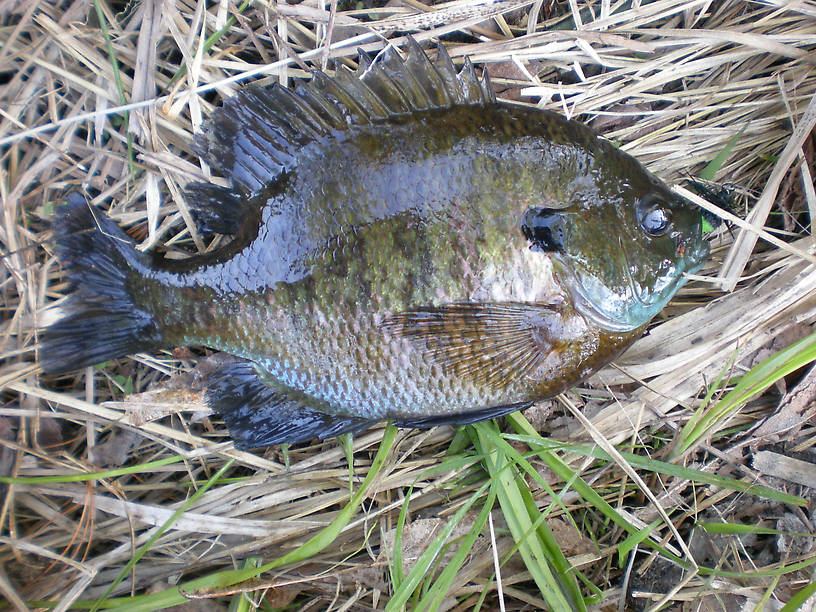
(404, 247)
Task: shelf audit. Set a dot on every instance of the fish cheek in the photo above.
(653, 263)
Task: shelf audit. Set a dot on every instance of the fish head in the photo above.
(620, 247)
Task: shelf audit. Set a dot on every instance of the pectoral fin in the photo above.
(489, 343)
(259, 414)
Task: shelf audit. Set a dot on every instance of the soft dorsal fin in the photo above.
(257, 134)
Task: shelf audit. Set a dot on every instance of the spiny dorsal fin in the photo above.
(257, 134)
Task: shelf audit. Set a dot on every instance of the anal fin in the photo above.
(257, 414)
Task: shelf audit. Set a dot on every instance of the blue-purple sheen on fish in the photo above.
(403, 247)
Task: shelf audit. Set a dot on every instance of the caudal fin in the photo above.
(99, 320)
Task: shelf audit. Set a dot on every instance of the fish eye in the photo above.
(655, 220)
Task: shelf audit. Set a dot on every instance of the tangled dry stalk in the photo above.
(106, 96)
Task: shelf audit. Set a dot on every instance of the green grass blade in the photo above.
(563, 471)
(167, 524)
(117, 78)
(715, 164)
(633, 540)
(563, 569)
(460, 443)
(544, 450)
(426, 559)
(459, 464)
(173, 596)
(133, 469)
(212, 39)
(662, 467)
(437, 592)
(239, 602)
(739, 529)
(766, 596)
(396, 562)
(759, 378)
(329, 533)
(798, 600)
(514, 498)
(346, 441)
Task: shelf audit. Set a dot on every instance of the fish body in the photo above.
(404, 248)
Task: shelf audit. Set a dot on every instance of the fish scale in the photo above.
(404, 247)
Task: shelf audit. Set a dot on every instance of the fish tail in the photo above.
(99, 320)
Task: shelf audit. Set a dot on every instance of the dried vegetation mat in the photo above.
(682, 476)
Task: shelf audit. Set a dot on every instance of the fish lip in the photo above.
(701, 253)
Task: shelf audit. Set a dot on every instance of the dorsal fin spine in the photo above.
(468, 81)
(300, 114)
(426, 75)
(356, 88)
(321, 106)
(276, 132)
(379, 78)
(363, 62)
(447, 72)
(487, 88)
(325, 86)
(259, 133)
(414, 68)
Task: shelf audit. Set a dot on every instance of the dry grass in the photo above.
(671, 81)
